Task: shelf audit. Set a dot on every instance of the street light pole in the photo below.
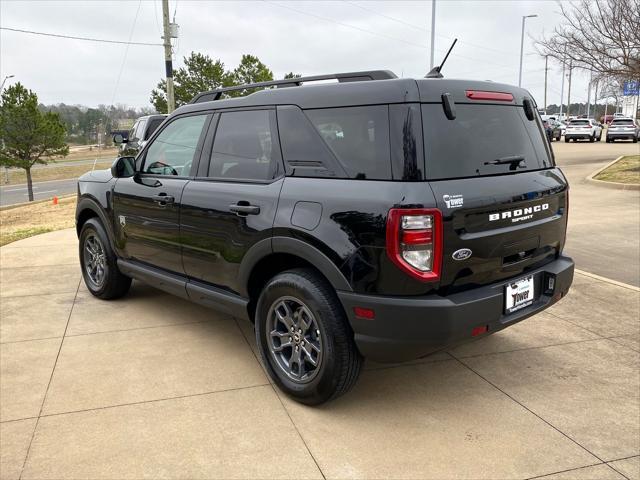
(546, 69)
(433, 32)
(5, 79)
(522, 46)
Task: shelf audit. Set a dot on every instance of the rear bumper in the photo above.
(578, 135)
(626, 135)
(406, 328)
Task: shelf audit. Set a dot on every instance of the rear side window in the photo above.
(243, 148)
(480, 139)
(358, 137)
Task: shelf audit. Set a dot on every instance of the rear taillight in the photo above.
(414, 241)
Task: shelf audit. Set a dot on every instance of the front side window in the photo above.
(243, 148)
(172, 152)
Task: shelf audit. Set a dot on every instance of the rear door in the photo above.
(147, 205)
(503, 201)
(231, 204)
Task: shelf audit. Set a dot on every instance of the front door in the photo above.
(147, 205)
(232, 204)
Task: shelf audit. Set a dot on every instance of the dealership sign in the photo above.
(630, 88)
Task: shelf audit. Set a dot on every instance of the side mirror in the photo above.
(123, 167)
(118, 139)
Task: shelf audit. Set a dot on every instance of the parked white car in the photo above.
(583, 128)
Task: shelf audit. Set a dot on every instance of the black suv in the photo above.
(371, 217)
(139, 134)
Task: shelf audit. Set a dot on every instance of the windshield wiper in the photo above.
(513, 161)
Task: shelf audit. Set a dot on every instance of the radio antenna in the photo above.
(435, 71)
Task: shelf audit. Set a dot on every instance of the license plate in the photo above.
(519, 294)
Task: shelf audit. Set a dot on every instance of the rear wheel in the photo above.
(635, 139)
(99, 263)
(592, 138)
(566, 140)
(304, 338)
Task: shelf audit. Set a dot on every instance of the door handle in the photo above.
(163, 199)
(244, 210)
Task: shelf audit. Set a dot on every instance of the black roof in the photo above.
(354, 93)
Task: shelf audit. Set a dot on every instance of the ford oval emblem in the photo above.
(461, 254)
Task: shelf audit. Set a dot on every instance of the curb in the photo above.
(607, 280)
(35, 202)
(607, 184)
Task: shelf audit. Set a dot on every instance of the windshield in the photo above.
(482, 140)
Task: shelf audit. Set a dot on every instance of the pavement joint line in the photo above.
(586, 466)
(617, 471)
(607, 280)
(527, 408)
(44, 398)
(534, 348)
(588, 330)
(28, 340)
(613, 339)
(281, 402)
(153, 400)
(59, 292)
(137, 328)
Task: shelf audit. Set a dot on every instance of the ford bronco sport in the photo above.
(373, 217)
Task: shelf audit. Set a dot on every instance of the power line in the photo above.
(100, 40)
(422, 29)
(378, 34)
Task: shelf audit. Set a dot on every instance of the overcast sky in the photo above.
(309, 37)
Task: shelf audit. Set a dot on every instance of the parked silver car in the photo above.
(623, 129)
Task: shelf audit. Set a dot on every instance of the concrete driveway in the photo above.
(151, 386)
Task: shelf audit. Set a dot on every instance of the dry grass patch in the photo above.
(62, 172)
(626, 170)
(29, 220)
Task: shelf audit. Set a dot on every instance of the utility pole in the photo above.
(171, 102)
(433, 32)
(595, 101)
(589, 93)
(569, 92)
(546, 69)
(562, 87)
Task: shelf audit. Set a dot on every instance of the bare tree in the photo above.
(601, 35)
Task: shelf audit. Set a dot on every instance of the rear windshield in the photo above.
(482, 140)
(579, 122)
(622, 122)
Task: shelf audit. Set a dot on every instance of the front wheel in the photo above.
(304, 338)
(99, 263)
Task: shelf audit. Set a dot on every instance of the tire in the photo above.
(635, 140)
(111, 283)
(566, 140)
(592, 138)
(600, 136)
(607, 139)
(296, 298)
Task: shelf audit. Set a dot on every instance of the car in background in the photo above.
(552, 129)
(138, 136)
(623, 129)
(583, 128)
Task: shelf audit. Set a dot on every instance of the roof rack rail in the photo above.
(295, 82)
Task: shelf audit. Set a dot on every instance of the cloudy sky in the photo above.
(308, 37)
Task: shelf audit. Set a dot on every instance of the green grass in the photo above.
(16, 235)
(626, 170)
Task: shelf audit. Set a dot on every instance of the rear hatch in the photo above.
(492, 172)
(579, 127)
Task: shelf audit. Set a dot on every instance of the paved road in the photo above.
(603, 223)
(11, 194)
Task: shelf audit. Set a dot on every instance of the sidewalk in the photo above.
(152, 386)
